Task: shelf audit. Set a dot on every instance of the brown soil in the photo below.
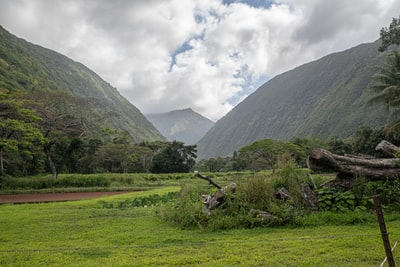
(50, 197)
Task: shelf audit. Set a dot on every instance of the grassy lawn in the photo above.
(84, 233)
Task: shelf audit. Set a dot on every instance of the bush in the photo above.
(388, 192)
(332, 200)
(256, 192)
(187, 210)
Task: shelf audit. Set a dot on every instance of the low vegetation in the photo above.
(90, 233)
(258, 192)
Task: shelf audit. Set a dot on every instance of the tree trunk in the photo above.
(51, 163)
(387, 148)
(372, 169)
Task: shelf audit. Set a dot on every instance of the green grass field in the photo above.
(84, 233)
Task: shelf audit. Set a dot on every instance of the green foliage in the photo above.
(84, 234)
(176, 157)
(187, 211)
(361, 196)
(340, 218)
(144, 201)
(365, 140)
(386, 80)
(19, 134)
(264, 154)
(48, 182)
(339, 146)
(49, 77)
(390, 36)
(91, 182)
(291, 177)
(332, 200)
(388, 192)
(256, 192)
(218, 164)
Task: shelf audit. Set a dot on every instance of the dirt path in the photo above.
(49, 197)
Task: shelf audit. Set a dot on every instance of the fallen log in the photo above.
(373, 169)
(387, 148)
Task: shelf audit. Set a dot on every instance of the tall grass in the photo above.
(255, 194)
(101, 180)
(256, 203)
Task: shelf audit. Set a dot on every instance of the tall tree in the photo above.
(263, 154)
(58, 124)
(18, 128)
(175, 158)
(386, 82)
(390, 36)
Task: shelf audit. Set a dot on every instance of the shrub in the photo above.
(256, 192)
(332, 200)
(388, 192)
(187, 210)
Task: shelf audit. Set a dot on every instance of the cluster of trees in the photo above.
(38, 136)
(267, 153)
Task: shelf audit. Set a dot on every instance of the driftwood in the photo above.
(217, 199)
(387, 148)
(349, 166)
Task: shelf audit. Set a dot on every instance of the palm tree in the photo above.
(386, 83)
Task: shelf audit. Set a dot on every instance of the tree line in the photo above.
(37, 135)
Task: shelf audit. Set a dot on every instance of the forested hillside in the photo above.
(56, 115)
(25, 67)
(326, 98)
(183, 125)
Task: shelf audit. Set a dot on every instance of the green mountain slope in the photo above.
(327, 97)
(31, 68)
(183, 125)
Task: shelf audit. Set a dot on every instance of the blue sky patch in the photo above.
(249, 87)
(183, 48)
(253, 3)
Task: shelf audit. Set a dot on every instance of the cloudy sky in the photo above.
(204, 54)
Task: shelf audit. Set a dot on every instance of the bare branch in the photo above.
(196, 173)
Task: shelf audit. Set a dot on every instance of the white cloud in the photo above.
(164, 55)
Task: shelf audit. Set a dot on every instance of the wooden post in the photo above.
(384, 233)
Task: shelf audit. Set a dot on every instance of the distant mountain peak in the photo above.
(183, 125)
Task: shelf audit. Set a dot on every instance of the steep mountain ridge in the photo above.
(183, 125)
(32, 68)
(327, 97)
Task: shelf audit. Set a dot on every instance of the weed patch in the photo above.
(145, 201)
